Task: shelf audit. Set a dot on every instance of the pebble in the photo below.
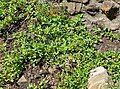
(22, 80)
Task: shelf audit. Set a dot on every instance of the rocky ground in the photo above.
(97, 13)
(100, 13)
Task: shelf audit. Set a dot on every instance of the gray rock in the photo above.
(81, 1)
(78, 7)
(117, 1)
(117, 22)
(114, 26)
(22, 80)
(116, 4)
(106, 6)
(105, 14)
(96, 1)
(72, 8)
(92, 8)
(98, 79)
(69, 5)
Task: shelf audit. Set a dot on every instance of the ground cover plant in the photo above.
(52, 38)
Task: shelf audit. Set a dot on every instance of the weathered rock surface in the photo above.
(72, 7)
(104, 13)
(98, 79)
(106, 6)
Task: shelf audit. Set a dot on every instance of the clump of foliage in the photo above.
(108, 33)
(41, 85)
(10, 11)
(56, 39)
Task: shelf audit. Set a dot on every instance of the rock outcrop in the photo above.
(98, 79)
(106, 13)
